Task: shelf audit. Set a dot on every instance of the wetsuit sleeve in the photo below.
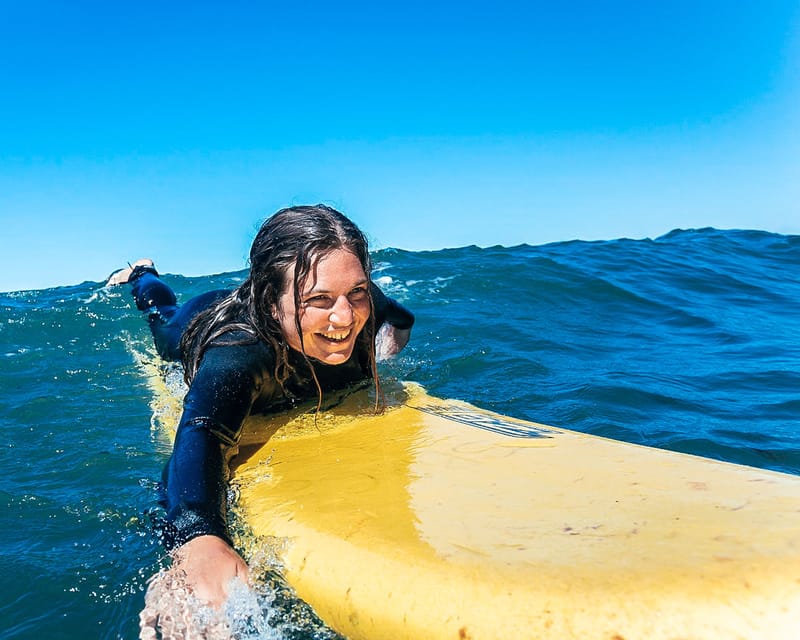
(389, 310)
(222, 393)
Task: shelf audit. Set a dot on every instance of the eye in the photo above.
(321, 301)
(358, 294)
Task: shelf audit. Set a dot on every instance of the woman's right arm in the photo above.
(196, 476)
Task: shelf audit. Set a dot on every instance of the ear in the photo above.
(275, 312)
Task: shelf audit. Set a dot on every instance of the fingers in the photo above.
(174, 610)
(209, 564)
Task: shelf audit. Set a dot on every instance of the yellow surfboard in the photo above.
(437, 519)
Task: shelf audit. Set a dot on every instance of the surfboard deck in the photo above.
(437, 519)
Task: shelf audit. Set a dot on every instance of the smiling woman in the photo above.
(306, 321)
(334, 307)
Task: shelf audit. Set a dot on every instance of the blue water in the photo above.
(689, 342)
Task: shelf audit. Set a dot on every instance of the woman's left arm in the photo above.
(394, 324)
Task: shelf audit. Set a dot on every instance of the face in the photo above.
(334, 307)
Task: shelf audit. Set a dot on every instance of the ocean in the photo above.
(689, 342)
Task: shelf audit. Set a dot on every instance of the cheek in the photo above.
(310, 324)
(310, 321)
(284, 314)
(362, 312)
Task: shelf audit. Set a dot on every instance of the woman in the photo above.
(304, 322)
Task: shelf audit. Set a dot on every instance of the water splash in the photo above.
(266, 609)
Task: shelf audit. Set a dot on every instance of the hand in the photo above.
(208, 564)
(201, 573)
(390, 341)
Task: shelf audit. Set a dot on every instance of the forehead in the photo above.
(329, 270)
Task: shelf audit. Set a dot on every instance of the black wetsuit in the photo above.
(232, 381)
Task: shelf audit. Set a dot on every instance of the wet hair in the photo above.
(292, 241)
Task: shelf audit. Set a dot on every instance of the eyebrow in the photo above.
(353, 286)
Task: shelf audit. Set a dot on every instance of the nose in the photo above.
(342, 312)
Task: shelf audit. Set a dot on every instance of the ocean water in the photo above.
(689, 342)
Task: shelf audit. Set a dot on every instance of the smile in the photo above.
(335, 336)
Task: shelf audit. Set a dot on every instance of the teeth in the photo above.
(336, 335)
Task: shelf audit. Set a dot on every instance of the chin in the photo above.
(336, 358)
(333, 357)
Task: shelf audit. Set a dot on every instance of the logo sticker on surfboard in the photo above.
(486, 421)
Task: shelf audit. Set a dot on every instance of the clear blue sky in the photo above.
(172, 129)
